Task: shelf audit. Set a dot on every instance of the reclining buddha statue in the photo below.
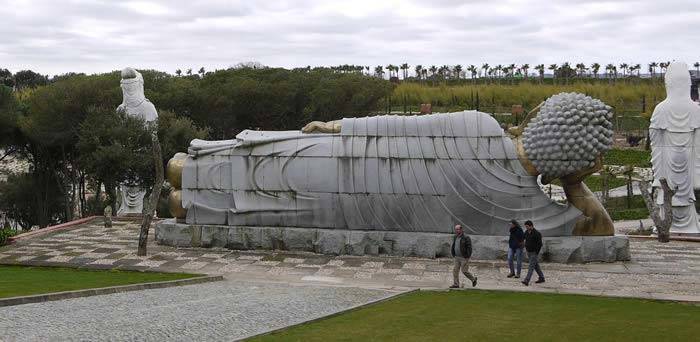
(421, 173)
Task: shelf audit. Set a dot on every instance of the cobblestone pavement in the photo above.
(661, 271)
(221, 311)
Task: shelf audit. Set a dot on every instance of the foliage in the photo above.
(629, 214)
(22, 200)
(492, 98)
(490, 316)
(635, 158)
(25, 281)
(6, 233)
(112, 148)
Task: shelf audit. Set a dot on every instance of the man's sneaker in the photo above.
(539, 281)
(525, 282)
(474, 281)
(454, 286)
(511, 275)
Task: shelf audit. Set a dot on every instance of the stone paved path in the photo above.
(221, 311)
(662, 271)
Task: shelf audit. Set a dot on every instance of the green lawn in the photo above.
(624, 157)
(504, 316)
(24, 281)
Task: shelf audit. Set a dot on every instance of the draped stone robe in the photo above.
(675, 147)
(398, 173)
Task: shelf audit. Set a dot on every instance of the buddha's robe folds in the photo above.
(675, 147)
(398, 173)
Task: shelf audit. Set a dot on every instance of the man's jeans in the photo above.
(463, 265)
(534, 265)
(518, 255)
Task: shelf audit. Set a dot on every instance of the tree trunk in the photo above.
(150, 207)
(663, 225)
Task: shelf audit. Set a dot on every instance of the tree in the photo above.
(473, 72)
(201, 71)
(6, 78)
(405, 67)
(457, 70)
(595, 67)
(433, 71)
(189, 72)
(652, 68)
(663, 225)
(525, 68)
(624, 67)
(485, 67)
(379, 71)
(178, 72)
(419, 72)
(540, 71)
(29, 79)
(554, 68)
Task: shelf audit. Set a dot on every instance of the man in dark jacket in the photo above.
(515, 248)
(461, 252)
(533, 245)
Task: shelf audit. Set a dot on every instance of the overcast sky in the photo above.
(53, 37)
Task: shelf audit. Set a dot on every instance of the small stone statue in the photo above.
(108, 217)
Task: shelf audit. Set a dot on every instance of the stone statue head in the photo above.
(677, 80)
(132, 87)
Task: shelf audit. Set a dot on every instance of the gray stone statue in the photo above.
(398, 184)
(136, 104)
(675, 147)
(404, 173)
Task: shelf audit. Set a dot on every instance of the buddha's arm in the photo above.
(322, 127)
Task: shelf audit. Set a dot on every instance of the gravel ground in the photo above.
(221, 311)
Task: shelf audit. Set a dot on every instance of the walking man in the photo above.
(461, 252)
(533, 245)
(516, 241)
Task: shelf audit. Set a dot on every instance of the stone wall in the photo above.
(571, 249)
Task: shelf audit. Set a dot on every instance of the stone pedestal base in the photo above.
(568, 249)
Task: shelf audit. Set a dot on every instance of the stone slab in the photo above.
(568, 249)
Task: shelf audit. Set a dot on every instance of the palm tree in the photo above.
(405, 67)
(472, 69)
(663, 66)
(379, 71)
(652, 68)
(456, 70)
(390, 67)
(525, 68)
(554, 68)
(189, 72)
(201, 71)
(637, 67)
(595, 67)
(624, 67)
(540, 70)
(178, 72)
(419, 71)
(444, 72)
(425, 73)
(433, 70)
(485, 67)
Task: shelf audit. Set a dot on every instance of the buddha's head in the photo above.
(677, 80)
(568, 135)
(132, 87)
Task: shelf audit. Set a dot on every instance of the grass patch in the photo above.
(25, 281)
(631, 157)
(503, 316)
(595, 183)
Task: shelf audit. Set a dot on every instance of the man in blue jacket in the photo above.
(533, 245)
(461, 252)
(516, 242)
